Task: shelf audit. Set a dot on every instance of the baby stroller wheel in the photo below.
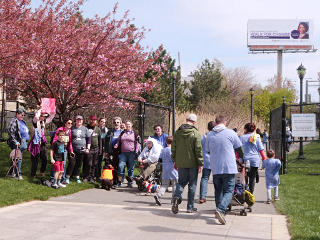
(140, 187)
(250, 209)
(243, 213)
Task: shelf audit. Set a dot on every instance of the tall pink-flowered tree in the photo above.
(52, 51)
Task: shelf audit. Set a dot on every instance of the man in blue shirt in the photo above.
(221, 144)
(159, 135)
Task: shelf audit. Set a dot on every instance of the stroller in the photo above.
(154, 179)
(241, 196)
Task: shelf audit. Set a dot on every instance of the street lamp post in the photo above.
(301, 72)
(251, 106)
(319, 112)
(174, 78)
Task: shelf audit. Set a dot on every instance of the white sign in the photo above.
(294, 32)
(303, 125)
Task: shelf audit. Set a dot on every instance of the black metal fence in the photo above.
(281, 142)
(142, 114)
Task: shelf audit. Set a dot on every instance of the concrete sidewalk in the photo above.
(127, 214)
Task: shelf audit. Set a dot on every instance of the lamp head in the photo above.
(251, 91)
(174, 72)
(301, 71)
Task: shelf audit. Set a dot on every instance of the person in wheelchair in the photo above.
(149, 157)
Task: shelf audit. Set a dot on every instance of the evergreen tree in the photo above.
(206, 83)
(162, 95)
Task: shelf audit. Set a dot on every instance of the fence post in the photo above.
(283, 138)
(141, 120)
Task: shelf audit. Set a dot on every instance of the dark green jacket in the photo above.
(186, 149)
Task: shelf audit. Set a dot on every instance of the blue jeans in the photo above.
(127, 158)
(223, 190)
(187, 176)
(204, 183)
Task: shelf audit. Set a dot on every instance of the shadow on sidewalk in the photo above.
(160, 229)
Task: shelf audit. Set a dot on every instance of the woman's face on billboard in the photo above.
(301, 28)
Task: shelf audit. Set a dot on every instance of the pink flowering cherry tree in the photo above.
(85, 63)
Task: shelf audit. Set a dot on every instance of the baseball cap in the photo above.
(192, 117)
(93, 117)
(79, 117)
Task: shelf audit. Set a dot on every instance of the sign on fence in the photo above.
(303, 125)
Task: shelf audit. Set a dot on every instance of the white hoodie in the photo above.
(154, 152)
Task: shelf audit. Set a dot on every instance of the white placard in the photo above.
(303, 125)
(290, 32)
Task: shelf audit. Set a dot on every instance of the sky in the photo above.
(212, 29)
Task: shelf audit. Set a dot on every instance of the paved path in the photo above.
(127, 214)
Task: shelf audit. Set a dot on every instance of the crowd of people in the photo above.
(103, 154)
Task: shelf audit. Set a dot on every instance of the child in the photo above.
(107, 176)
(169, 172)
(57, 156)
(272, 166)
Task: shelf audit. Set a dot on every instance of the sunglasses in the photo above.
(116, 122)
(69, 122)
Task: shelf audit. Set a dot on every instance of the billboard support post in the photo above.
(279, 67)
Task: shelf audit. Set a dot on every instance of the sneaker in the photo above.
(119, 184)
(202, 200)
(13, 175)
(78, 180)
(55, 186)
(130, 185)
(156, 198)
(67, 180)
(20, 178)
(175, 207)
(269, 202)
(276, 198)
(193, 210)
(61, 185)
(220, 217)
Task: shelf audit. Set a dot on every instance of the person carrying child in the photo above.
(57, 158)
(107, 176)
(169, 172)
(272, 166)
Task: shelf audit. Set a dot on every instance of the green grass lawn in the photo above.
(13, 191)
(300, 194)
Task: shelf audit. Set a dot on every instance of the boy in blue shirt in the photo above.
(169, 172)
(272, 166)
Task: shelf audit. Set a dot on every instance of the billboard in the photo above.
(294, 33)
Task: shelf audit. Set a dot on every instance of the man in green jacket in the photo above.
(186, 152)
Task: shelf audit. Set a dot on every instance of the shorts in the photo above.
(58, 166)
